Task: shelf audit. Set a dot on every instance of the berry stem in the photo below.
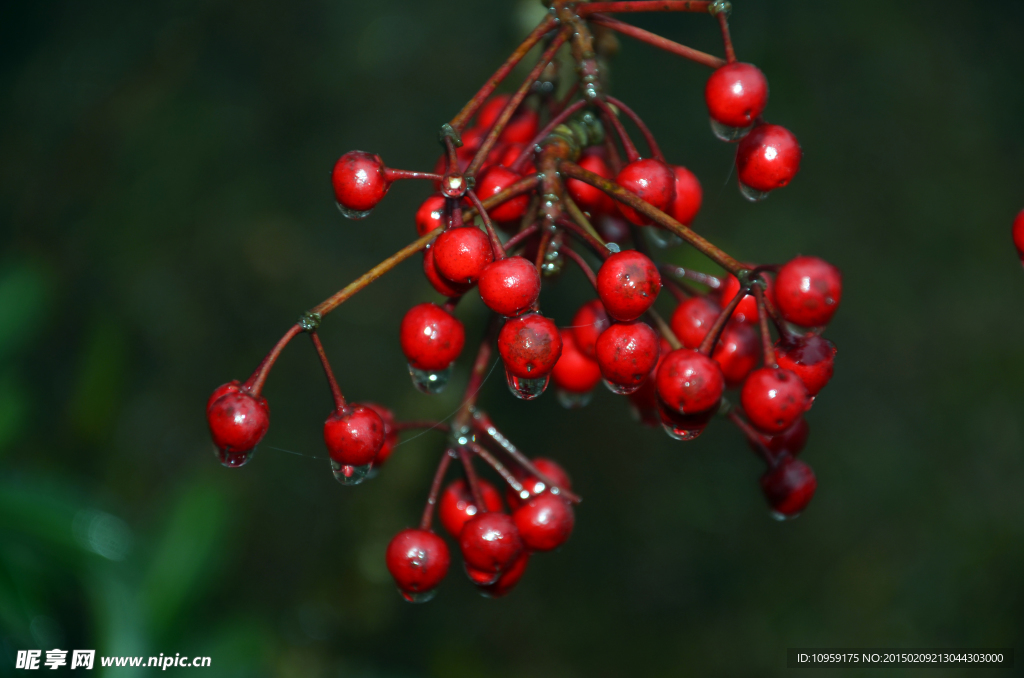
(254, 384)
(753, 436)
(547, 129)
(520, 236)
(476, 376)
(665, 329)
(676, 290)
(474, 104)
(655, 40)
(766, 334)
(632, 155)
(500, 468)
(689, 274)
(580, 218)
(723, 21)
(707, 347)
(645, 6)
(395, 175)
(339, 399)
(435, 490)
(644, 129)
(600, 249)
(584, 266)
(472, 479)
(496, 246)
(573, 170)
(524, 185)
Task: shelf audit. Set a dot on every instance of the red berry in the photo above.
(651, 180)
(627, 354)
(521, 127)
(588, 324)
(574, 372)
(628, 283)
(808, 291)
(489, 113)
(768, 158)
(809, 357)
(591, 198)
(390, 434)
(354, 437)
(773, 399)
(688, 196)
(431, 338)
(737, 353)
(534, 486)
(510, 286)
(238, 421)
(746, 311)
(789, 487)
(544, 522)
(456, 505)
(1018, 234)
(359, 182)
(461, 254)
(508, 579)
(443, 286)
(689, 382)
(430, 215)
(790, 441)
(693, 318)
(490, 544)
(418, 560)
(736, 94)
(495, 180)
(529, 345)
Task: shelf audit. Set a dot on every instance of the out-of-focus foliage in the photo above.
(166, 214)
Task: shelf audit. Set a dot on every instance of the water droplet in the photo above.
(418, 597)
(727, 133)
(680, 426)
(752, 194)
(233, 458)
(431, 382)
(526, 389)
(353, 214)
(663, 239)
(782, 517)
(613, 247)
(677, 432)
(618, 389)
(480, 577)
(573, 401)
(350, 475)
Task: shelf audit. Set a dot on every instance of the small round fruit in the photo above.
(574, 372)
(456, 505)
(443, 286)
(430, 214)
(689, 382)
(588, 324)
(489, 113)
(693, 318)
(789, 487)
(534, 486)
(238, 420)
(809, 357)
(521, 127)
(490, 543)
(1018, 234)
(508, 579)
(768, 158)
(773, 399)
(509, 286)
(746, 311)
(529, 345)
(431, 338)
(390, 434)
(689, 196)
(590, 198)
(354, 437)
(359, 181)
(418, 560)
(544, 522)
(808, 291)
(790, 441)
(495, 180)
(737, 353)
(736, 94)
(628, 283)
(627, 354)
(651, 180)
(461, 254)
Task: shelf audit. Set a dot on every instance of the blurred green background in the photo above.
(166, 214)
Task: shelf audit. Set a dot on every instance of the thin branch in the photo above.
(435, 490)
(657, 41)
(707, 347)
(584, 266)
(644, 129)
(339, 399)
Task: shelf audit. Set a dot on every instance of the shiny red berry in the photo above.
(1018, 234)
(808, 291)
(456, 505)
(390, 434)
(651, 180)
(588, 324)
(689, 196)
(443, 286)
(591, 198)
(495, 180)
(418, 560)
(790, 441)
(431, 338)
(359, 182)
(789, 487)
(238, 421)
(509, 286)
(430, 214)
(521, 127)
(737, 353)
(736, 94)
(693, 318)
(809, 357)
(574, 372)
(490, 543)
(461, 254)
(627, 354)
(534, 486)
(689, 382)
(628, 283)
(508, 578)
(529, 345)
(746, 311)
(544, 522)
(768, 158)
(489, 113)
(773, 399)
(354, 437)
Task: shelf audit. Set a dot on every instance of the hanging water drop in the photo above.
(526, 389)
(782, 517)
(481, 577)
(619, 389)
(233, 458)
(573, 401)
(752, 194)
(677, 432)
(355, 215)
(727, 133)
(418, 597)
(430, 382)
(350, 475)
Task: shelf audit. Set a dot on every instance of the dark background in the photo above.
(166, 215)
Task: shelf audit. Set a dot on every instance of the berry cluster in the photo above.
(528, 181)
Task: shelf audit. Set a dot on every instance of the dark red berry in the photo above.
(773, 399)
(418, 560)
(627, 354)
(628, 283)
(768, 158)
(495, 180)
(736, 94)
(808, 291)
(508, 579)
(238, 421)
(490, 544)
(790, 441)
(529, 345)
(746, 311)
(390, 434)
(591, 198)
(431, 338)
(359, 181)
(789, 487)
(1018, 234)
(461, 254)
(544, 522)
(574, 372)
(456, 505)
(737, 353)
(443, 286)
(651, 180)
(693, 318)
(588, 324)
(688, 196)
(509, 286)
(354, 437)
(689, 382)
(809, 357)
(430, 214)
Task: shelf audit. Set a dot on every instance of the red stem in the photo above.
(730, 53)
(524, 185)
(435, 490)
(254, 384)
(472, 479)
(674, 288)
(548, 128)
(754, 437)
(645, 6)
(496, 246)
(500, 468)
(395, 175)
(580, 233)
(520, 236)
(689, 274)
(339, 399)
(644, 130)
(707, 347)
(632, 155)
(655, 40)
(584, 266)
(766, 335)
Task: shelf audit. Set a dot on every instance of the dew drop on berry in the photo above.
(233, 458)
(752, 194)
(355, 215)
(727, 133)
(431, 382)
(418, 597)
(527, 389)
(663, 239)
(782, 517)
(619, 389)
(350, 475)
(481, 577)
(573, 401)
(684, 433)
